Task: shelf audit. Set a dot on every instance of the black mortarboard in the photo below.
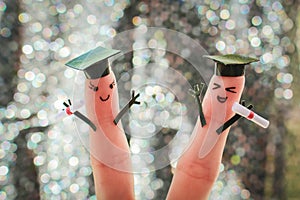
(94, 63)
(231, 64)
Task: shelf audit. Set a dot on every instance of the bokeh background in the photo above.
(41, 155)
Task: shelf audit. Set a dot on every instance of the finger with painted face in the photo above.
(110, 154)
(198, 167)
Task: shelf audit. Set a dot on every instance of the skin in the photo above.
(110, 154)
(198, 167)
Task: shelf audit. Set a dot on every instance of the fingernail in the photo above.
(209, 142)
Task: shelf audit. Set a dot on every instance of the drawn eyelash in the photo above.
(216, 86)
(230, 89)
(111, 86)
(92, 87)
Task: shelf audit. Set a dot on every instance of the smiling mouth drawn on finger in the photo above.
(222, 99)
(105, 98)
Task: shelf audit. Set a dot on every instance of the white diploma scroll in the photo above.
(249, 114)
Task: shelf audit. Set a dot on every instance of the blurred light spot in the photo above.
(283, 61)
(280, 77)
(111, 32)
(36, 27)
(230, 49)
(220, 45)
(135, 148)
(288, 24)
(64, 52)
(157, 89)
(3, 195)
(31, 145)
(9, 113)
(27, 49)
(42, 114)
(25, 113)
(2, 153)
(136, 79)
(240, 151)
(39, 160)
(272, 16)
(55, 188)
(78, 8)
(53, 164)
(40, 77)
(85, 171)
(152, 43)
(24, 17)
(36, 137)
(47, 32)
(222, 167)
(276, 6)
(149, 194)
(225, 14)
(52, 10)
(214, 5)
(38, 45)
(22, 87)
(212, 17)
(3, 170)
(278, 92)
(149, 91)
(73, 38)
(5, 32)
(2, 6)
(45, 178)
(244, 9)
(230, 24)
(202, 10)
(136, 20)
(235, 190)
(213, 31)
(245, 194)
(255, 42)
(61, 8)
(256, 20)
(267, 58)
(73, 161)
(157, 184)
(288, 94)
(69, 73)
(252, 31)
(267, 30)
(91, 19)
(170, 97)
(29, 76)
(288, 78)
(109, 2)
(74, 188)
(44, 122)
(235, 159)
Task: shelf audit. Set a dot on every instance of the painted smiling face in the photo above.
(223, 99)
(96, 88)
(222, 93)
(102, 97)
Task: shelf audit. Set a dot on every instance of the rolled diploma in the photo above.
(249, 114)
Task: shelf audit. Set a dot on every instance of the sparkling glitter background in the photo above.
(42, 157)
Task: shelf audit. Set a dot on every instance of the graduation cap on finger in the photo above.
(231, 64)
(94, 63)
